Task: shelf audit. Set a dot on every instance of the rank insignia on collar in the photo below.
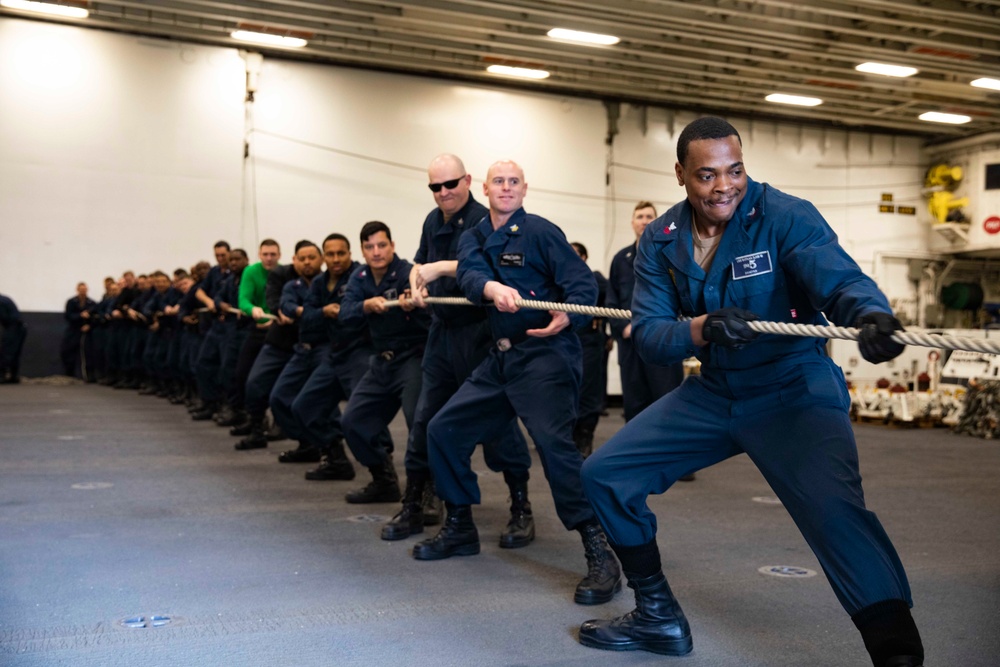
(461, 221)
(514, 228)
(672, 227)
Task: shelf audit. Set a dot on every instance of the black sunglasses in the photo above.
(436, 187)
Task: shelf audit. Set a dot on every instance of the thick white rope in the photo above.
(781, 328)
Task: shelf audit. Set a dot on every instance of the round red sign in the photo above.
(992, 224)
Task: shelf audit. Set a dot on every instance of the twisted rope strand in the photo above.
(780, 328)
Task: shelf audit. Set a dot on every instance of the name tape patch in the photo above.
(755, 264)
(512, 259)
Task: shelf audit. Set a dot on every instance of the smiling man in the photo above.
(734, 250)
(533, 371)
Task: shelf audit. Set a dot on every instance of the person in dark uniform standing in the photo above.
(345, 361)
(533, 372)
(252, 303)
(733, 251)
(458, 341)
(77, 347)
(235, 329)
(279, 342)
(393, 380)
(11, 341)
(593, 338)
(642, 383)
(306, 354)
(213, 330)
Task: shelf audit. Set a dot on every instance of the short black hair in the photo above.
(337, 237)
(581, 249)
(305, 243)
(221, 244)
(374, 227)
(180, 273)
(707, 127)
(239, 251)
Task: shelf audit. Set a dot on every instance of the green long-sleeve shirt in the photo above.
(252, 288)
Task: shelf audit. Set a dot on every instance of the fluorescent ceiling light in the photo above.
(798, 100)
(886, 70)
(522, 72)
(992, 84)
(950, 118)
(47, 8)
(584, 37)
(266, 38)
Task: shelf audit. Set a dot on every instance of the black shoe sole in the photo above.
(393, 498)
(284, 458)
(312, 477)
(391, 534)
(240, 447)
(675, 647)
(427, 554)
(598, 599)
(515, 544)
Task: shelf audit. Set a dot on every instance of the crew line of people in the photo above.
(234, 340)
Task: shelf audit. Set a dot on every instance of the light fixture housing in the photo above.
(884, 69)
(582, 37)
(797, 100)
(67, 11)
(949, 118)
(519, 72)
(992, 84)
(268, 39)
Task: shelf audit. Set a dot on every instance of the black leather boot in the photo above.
(890, 634)
(430, 505)
(205, 413)
(604, 577)
(234, 418)
(224, 413)
(520, 530)
(335, 465)
(583, 437)
(457, 537)
(409, 520)
(657, 623)
(384, 487)
(274, 434)
(256, 439)
(302, 454)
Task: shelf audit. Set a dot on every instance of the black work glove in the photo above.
(728, 327)
(874, 340)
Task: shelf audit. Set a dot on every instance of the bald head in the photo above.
(448, 181)
(505, 187)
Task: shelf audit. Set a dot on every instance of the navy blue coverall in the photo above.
(536, 379)
(779, 399)
(642, 383)
(393, 379)
(214, 329)
(345, 360)
(77, 350)
(306, 356)
(12, 340)
(458, 341)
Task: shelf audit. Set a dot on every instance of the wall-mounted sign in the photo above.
(887, 196)
(906, 210)
(886, 208)
(992, 224)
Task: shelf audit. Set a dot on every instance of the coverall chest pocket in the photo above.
(760, 294)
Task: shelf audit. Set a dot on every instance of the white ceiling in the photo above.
(720, 56)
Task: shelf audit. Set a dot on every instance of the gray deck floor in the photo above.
(114, 505)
